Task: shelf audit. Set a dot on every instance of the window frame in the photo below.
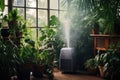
(48, 9)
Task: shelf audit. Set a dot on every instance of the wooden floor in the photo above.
(58, 75)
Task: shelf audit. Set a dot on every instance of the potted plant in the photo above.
(47, 47)
(99, 9)
(4, 29)
(91, 66)
(100, 63)
(30, 61)
(15, 22)
(113, 59)
(26, 60)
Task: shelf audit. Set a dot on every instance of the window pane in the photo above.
(42, 3)
(31, 17)
(20, 11)
(18, 3)
(5, 11)
(6, 2)
(53, 4)
(32, 32)
(62, 15)
(31, 3)
(54, 13)
(63, 5)
(42, 18)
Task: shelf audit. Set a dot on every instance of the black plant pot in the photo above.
(95, 29)
(5, 32)
(38, 71)
(117, 28)
(23, 74)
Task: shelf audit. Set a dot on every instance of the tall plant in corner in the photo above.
(49, 45)
(98, 9)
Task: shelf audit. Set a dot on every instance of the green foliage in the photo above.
(29, 52)
(54, 20)
(109, 60)
(91, 64)
(47, 41)
(100, 59)
(12, 16)
(50, 44)
(98, 9)
(15, 23)
(113, 66)
(2, 5)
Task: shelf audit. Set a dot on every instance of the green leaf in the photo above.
(42, 37)
(2, 5)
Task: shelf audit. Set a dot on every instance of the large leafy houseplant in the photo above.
(98, 9)
(15, 21)
(108, 64)
(113, 64)
(50, 45)
(47, 44)
(29, 60)
(91, 66)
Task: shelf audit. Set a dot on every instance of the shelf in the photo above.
(103, 42)
(103, 35)
(102, 49)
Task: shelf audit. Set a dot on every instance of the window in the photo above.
(38, 12)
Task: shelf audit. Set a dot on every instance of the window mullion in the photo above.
(58, 8)
(48, 4)
(37, 19)
(25, 9)
(10, 5)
